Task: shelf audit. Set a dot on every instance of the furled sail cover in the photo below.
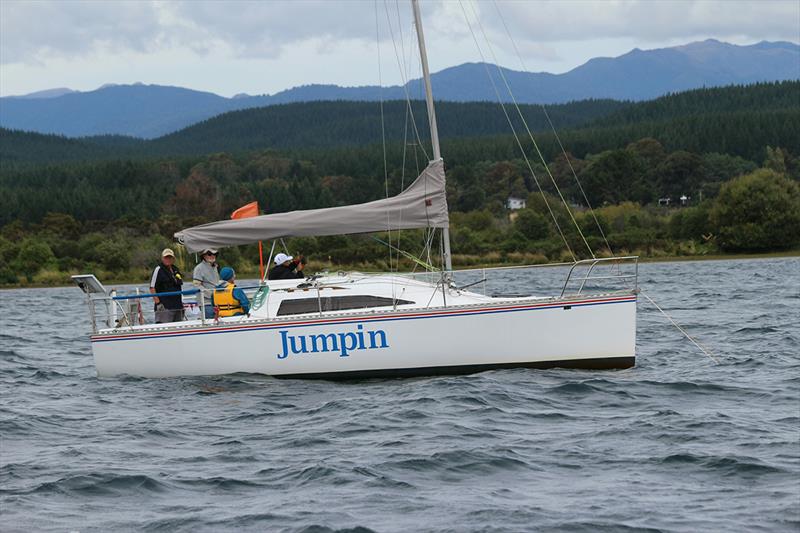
(422, 205)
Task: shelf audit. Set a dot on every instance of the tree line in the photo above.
(113, 217)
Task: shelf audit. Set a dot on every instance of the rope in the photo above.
(555, 133)
(685, 334)
(528, 130)
(516, 137)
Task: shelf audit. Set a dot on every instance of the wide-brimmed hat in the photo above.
(282, 258)
(209, 251)
(167, 252)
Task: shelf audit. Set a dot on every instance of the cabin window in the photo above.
(335, 303)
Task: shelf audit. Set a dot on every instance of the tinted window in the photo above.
(335, 303)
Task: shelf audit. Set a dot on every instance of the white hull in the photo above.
(582, 332)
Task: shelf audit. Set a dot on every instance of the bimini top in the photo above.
(422, 205)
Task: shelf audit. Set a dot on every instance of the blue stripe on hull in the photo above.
(385, 318)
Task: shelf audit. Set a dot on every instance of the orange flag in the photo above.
(246, 211)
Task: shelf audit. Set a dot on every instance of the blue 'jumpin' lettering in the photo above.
(343, 343)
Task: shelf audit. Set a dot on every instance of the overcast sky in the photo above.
(266, 46)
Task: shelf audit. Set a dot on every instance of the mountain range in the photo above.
(149, 111)
(737, 120)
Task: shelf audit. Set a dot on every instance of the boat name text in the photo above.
(343, 343)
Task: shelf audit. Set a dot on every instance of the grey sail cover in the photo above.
(422, 205)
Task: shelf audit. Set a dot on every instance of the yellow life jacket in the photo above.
(226, 303)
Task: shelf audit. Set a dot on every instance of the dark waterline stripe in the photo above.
(601, 363)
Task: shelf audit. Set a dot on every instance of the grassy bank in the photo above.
(55, 278)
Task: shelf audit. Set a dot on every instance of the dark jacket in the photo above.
(285, 272)
(167, 279)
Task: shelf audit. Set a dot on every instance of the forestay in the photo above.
(422, 205)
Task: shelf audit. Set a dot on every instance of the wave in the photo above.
(100, 485)
(726, 465)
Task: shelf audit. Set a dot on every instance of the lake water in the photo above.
(677, 443)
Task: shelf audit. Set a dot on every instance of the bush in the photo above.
(690, 223)
(114, 254)
(757, 211)
(33, 256)
(531, 224)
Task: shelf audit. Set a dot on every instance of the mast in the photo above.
(437, 154)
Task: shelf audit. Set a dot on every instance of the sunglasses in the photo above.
(210, 253)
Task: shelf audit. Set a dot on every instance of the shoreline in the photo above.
(665, 259)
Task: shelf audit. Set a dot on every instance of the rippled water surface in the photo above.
(677, 443)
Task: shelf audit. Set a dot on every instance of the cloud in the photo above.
(31, 32)
(34, 31)
(646, 20)
(265, 46)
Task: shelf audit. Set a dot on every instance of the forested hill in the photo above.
(301, 125)
(333, 124)
(740, 120)
(732, 99)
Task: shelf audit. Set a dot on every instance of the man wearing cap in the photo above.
(287, 268)
(206, 277)
(167, 278)
(229, 300)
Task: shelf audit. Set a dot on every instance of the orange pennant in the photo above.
(246, 211)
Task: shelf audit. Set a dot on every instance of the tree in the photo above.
(197, 195)
(613, 176)
(757, 211)
(649, 149)
(776, 160)
(680, 173)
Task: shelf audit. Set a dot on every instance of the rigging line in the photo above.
(516, 137)
(403, 67)
(426, 248)
(555, 133)
(406, 62)
(383, 127)
(685, 334)
(403, 79)
(530, 135)
(408, 255)
(406, 73)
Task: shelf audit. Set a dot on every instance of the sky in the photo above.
(261, 47)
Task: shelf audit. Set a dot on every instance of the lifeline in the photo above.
(343, 343)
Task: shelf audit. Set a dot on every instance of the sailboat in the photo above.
(347, 325)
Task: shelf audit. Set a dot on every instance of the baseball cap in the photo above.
(282, 258)
(167, 252)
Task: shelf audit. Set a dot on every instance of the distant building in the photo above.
(685, 200)
(514, 203)
(664, 202)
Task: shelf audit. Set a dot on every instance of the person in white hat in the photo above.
(167, 278)
(287, 267)
(206, 277)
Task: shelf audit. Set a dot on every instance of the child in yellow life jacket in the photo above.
(227, 298)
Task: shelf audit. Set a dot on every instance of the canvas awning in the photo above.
(422, 205)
